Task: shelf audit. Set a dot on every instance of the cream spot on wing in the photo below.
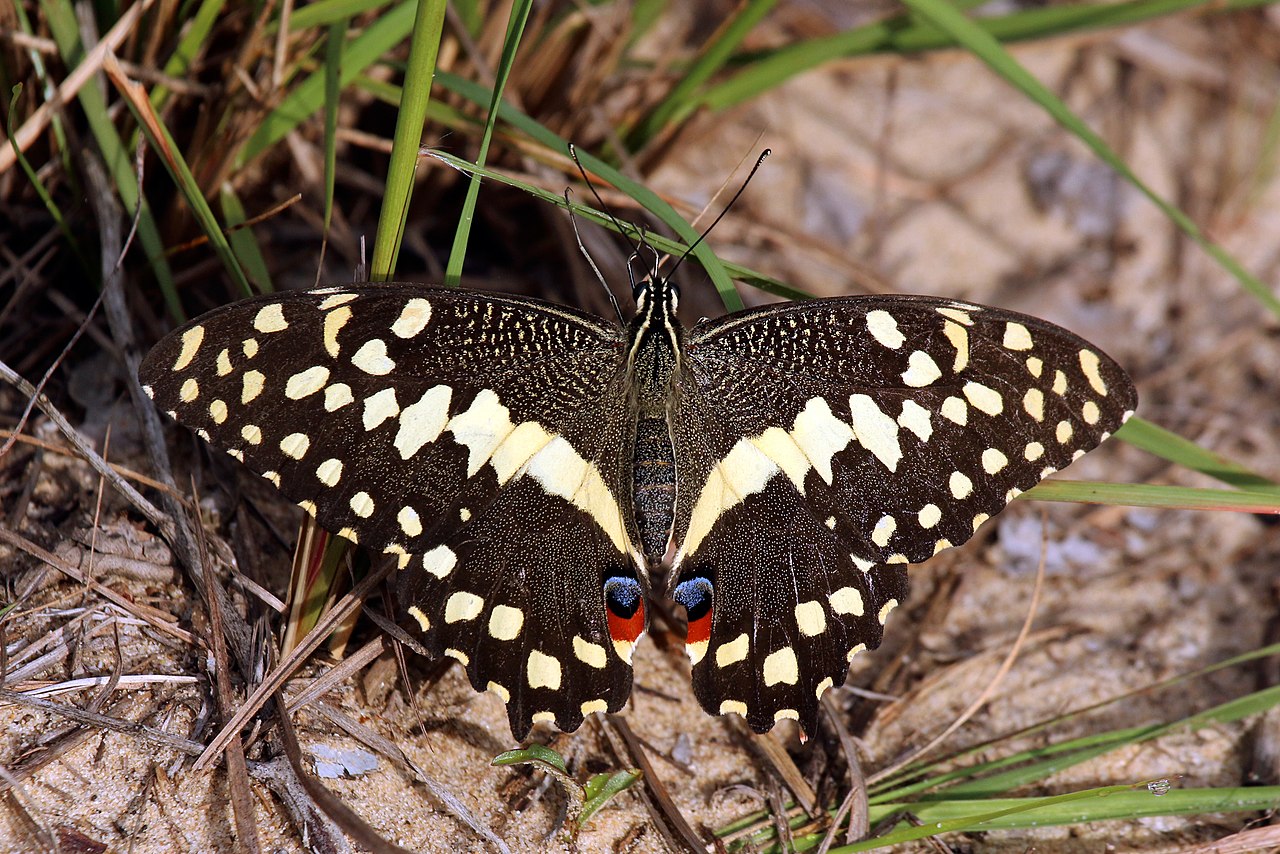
(422, 422)
(218, 411)
(481, 428)
(1077, 454)
(1016, 337)
(349, 534)
(778, 445)
(734, 707)
(333, 323)
(1033, 451)
(979, 520)
(149, 392)
(423, 622)
(921, 370)
(884, 329)
(744, 471)
(862, 647)
(811, 619)
(959, 338)
(440, 561)
(781, 666)
(337, 299)
(733, 651)
(1012, 494)
(886, 608)
(223, 362)
(1035, 366)
(337, 396)
(786, 715)
(823, 687)
(463, 606)
(362, 505)
(253, 382)
(544, 718)
(272, 477)
(696, 651)
(379, 407)
(955, 410)
(413, 318)
(464, 514)
(190, 390)
(1089, 412)
(915, 418)
(459, 655)
(961, 486)
(591, 707)
(875, 431)
(503, 694)
(204, 434)
(1063, 432)
(251, 433)
(329, 472)
(929, 515)
(985, 399)
(1033, 403)
(941, 545)
(820, 435)
(862, 563)
(830, 522)
(591, 654)
(883, 531)
(372, 358)
(409, 521)
(270, 319)
(1089, 363)
(295, 445)
(957, 315)
(249, 347)
(847, 600)
(543, 671)
(191, 340)
(309, 506)
(1059, 383)
(1047, 470)
(993, 460)
(505, 622)
(306, 382)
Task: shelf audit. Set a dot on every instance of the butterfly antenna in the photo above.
(701, 237)
(573, 221)
(573, 153)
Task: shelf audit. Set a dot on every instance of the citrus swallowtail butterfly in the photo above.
(533, 469)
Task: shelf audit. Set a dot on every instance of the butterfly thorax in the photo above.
(655, 340)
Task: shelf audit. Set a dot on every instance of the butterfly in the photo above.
(537, 472)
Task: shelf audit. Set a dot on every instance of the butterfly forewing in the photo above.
(480, 440)
(822, 446)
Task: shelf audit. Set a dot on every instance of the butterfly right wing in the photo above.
(475, 437)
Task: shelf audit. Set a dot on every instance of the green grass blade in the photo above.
(119, 162)
(681, 100)
(901, 34)
(1170, 446)
(950, 20)
(643, 196)
(334, 40)
(510, 45)
(428, 27)
(302, 103)
(243, 242)
(324, 13)
(194, 36)
(170, 155)
(1152, 495)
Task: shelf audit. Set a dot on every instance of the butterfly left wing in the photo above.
(822, 446)
(477, 438)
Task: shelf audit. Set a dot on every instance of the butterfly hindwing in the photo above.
(822, 446)
(481, 440)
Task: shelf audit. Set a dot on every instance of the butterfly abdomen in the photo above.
(654, 486)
